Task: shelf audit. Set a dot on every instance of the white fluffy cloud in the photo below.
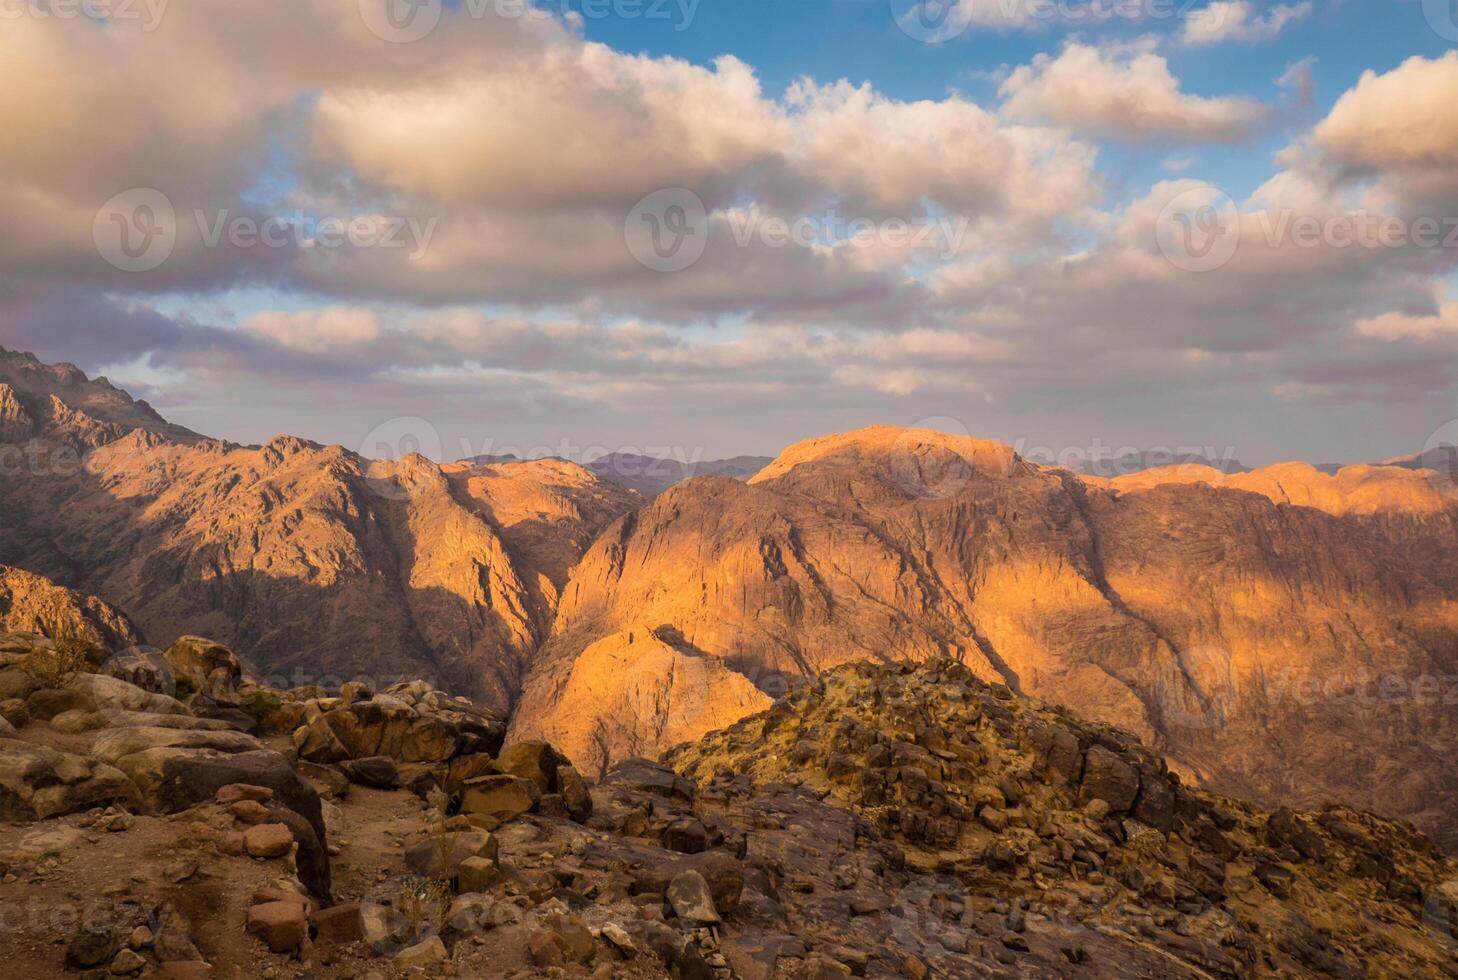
(1238, 20)
(1124, 92)
(1401, 121)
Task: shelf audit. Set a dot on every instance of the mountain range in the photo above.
(1286, 634)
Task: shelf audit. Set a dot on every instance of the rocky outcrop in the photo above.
(47, 390)
(1053, 846)
(16, 425)
(1214, 618)
(901, 820)
(408, 723)
(35, 605)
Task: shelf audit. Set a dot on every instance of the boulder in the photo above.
(173, 779)
(422, 955)
(379, 772)
(47, 703)
(688, 893)
(720, 869)
(15, 712)
(118, 695)
(442, 856)
(17, 684)
(114, 744)
(501, 798)
(1109, 778)
(282, 925)
(651, 777)
(477, 874)
(37, 783)
(575, 794)
(268, 840)
(536, 761)
(206, 668)
(338, 926)
(78, 722)
(142, 668)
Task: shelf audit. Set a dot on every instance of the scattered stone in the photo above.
(282, 925)
(422, 955)
(270, 840)
(691, 899)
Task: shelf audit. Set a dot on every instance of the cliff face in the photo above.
(1294, 638)
(320, 565)
(32, 604)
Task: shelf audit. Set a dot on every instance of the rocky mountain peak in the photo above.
(16, 425)
(906, 452)
(40, 387)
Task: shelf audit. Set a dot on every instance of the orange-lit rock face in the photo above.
(32, 604)
(316, 564)
(1265, 646)
(1283, 633)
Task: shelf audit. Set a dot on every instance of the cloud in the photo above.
(1125, 92)
(1401, 121)
(1237, 20)
(1408, 326)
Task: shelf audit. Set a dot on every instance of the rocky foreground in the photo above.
(169, 817)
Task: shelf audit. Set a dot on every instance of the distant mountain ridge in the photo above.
(1196, 607)
(651, 475)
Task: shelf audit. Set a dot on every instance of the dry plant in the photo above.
(70, 654)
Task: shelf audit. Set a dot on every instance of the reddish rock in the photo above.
(265, 896)
(250, 811)
(269, 840)
(242, 791)
(338, 926)
(546, 949)
(282, 925)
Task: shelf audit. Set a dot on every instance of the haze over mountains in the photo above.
(1284, 633)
